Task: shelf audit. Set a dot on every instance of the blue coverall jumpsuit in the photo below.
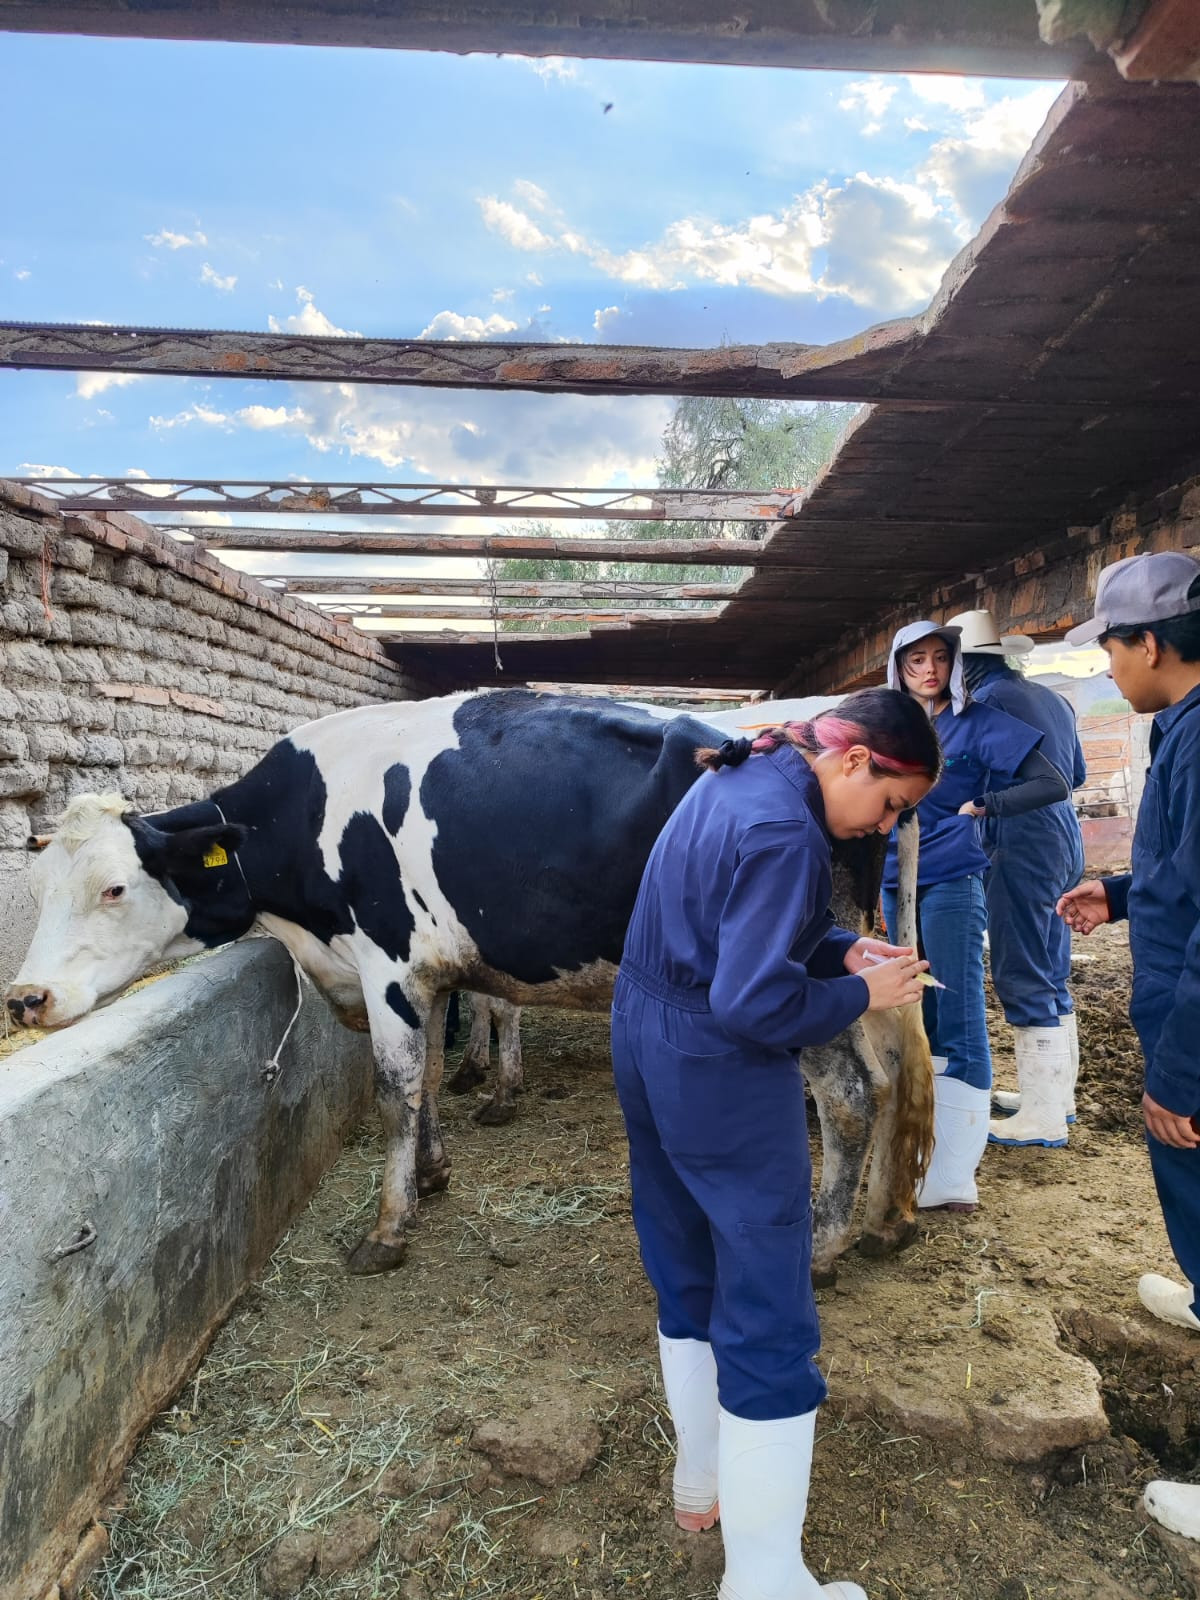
(1161, 898)
(1034, 858)
(732, 964)
(983, 748)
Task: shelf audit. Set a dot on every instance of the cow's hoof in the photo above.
(433, 1179)
(372, 1255)
(824, 1277)
(467, 1077)
(877, 1245)
(494, 1113)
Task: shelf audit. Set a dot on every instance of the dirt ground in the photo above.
(330, 1444)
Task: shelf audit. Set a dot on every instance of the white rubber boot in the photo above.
(1006, 1103)
(960, 1127)
(1167, 1300)
(764, 1472)
(1175, 1505)
(1044, 1073)
(690, 1382)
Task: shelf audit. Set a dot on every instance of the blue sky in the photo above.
(389, 193)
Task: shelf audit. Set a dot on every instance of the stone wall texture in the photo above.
(132, 662)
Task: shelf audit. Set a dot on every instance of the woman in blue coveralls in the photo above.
(732, 964)
(1148, 620)
(1034, 858)
(986, 752)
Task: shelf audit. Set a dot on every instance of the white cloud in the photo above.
(886, 243)
(549, 67)
(90, 384)
(272, 416)
(513, 226)
(500, 296)
(210, 276)
(972, 168)
(605, 317)
(193, 413)
(450, 325)
(870, 97)
(21, 273)
(309, 320)
(532, 194)
(33, 469)
(275, 283)
(960, 94)
(165, 239)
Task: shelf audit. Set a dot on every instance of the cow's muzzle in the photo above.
(27, 1007)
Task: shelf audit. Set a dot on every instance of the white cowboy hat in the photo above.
(981, 637)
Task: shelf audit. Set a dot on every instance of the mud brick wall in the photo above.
(131, 662)
(1042, 592)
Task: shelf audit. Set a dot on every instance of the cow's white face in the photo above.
(103, 920)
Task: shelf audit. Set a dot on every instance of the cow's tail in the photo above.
(912, 1128)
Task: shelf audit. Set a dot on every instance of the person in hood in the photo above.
(994, 767)
(1148, 621)
(733, 964)
(1035, 857)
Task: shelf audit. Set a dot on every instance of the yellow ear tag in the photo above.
(215, 856)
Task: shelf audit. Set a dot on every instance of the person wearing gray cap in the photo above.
(1148, 621)
(1035, 857)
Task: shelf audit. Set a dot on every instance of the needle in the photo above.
(927, 978)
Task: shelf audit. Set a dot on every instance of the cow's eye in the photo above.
(114, 892)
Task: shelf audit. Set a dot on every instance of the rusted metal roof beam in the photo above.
(361, 499)
(458, 639)
(641, 691)
(693, 552)
(996, 39)
(521, 589)
(506, 613)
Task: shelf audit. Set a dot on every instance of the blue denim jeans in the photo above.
(951, 918)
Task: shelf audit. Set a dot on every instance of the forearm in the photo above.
(1039, 783)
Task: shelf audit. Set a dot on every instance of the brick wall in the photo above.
(1043, 592)
(131, 662)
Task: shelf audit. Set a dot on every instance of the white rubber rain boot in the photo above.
(690, 1382)
(1044, 1073)
(960, 1127)
(764, 1472)
(1167, 1300)
(1175, 1505)
(1006, 1103)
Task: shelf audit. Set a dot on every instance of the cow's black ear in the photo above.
(37, 842)
(191, 849)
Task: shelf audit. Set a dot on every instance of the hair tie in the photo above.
(734, 751)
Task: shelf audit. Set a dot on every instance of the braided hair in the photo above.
(889, 723)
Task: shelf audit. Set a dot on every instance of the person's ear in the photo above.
(1153, 649)
(855, 758)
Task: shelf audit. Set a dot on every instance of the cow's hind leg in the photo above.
(473, 1069)
(903, 1132)
(433, 1164)
(398, 1041)
(846, 1085)
(502, 1107)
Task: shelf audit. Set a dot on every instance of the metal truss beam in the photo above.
(524, 589)
(412, 499)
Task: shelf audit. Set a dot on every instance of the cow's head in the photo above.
(108, 907)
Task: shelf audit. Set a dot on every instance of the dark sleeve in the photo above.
(1116, 892)
(1173, 1077)
(1038, 783)
(828, 960)
(759, 992)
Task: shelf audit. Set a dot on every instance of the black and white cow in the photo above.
(488, 841)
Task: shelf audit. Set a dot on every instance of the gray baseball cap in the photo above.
(1140, 589)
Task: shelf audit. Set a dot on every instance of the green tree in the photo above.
(709, 443)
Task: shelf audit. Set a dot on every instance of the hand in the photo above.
(1167, 1128)
(1085, 907)
(970, 809)
(894, 983)
(859, 952)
